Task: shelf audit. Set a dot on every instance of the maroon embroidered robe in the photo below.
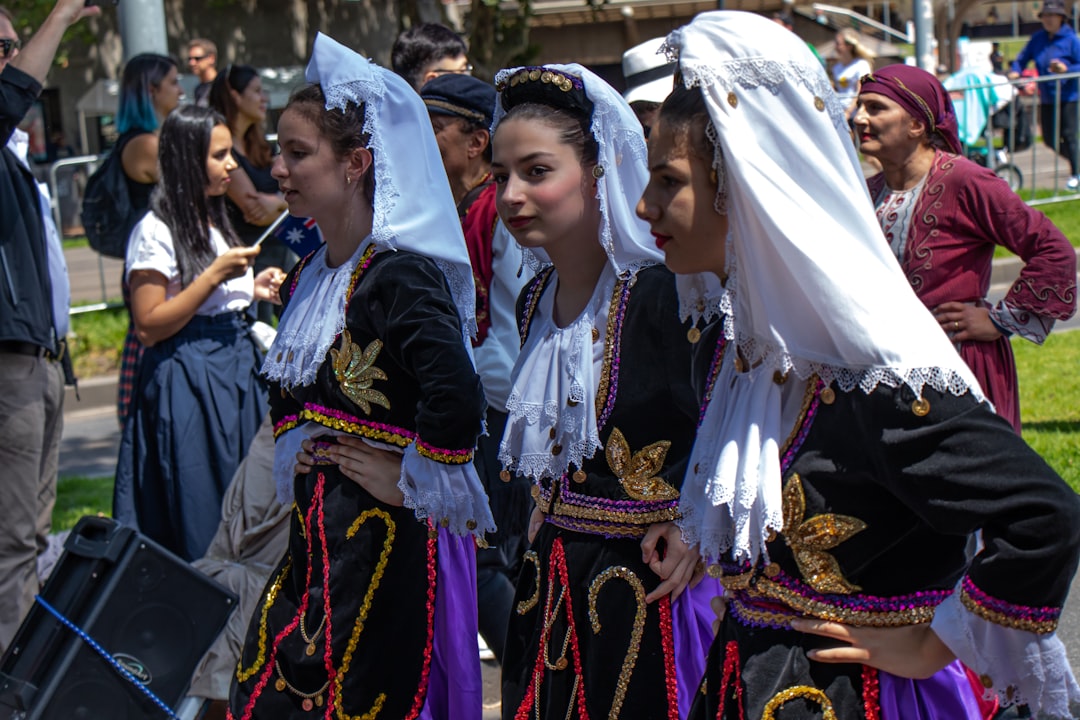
(963, 212)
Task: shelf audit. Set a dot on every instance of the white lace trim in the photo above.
(555, 366)
(313, 318)
(450, 494)
(1024, 667)
(757, 72)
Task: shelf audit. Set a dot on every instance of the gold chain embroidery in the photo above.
(634, 581)
(609, 348)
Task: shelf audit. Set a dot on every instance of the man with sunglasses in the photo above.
(427, 51)
(33, 321)
(202, 63)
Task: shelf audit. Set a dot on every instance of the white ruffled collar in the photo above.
(552, 422)
(313, 319)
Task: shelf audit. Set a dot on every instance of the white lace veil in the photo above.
(812, 285)
(414, 207)
(625, 237)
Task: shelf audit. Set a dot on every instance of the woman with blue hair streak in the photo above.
(149, 91)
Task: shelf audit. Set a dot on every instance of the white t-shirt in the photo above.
(151, 248)
(846, 78)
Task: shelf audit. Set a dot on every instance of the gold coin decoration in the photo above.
(921, 407)
(828, 396)
(693, 335)
(819, 104)
(732, 100)
(579, 476)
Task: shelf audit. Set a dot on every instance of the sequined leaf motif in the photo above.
(638, 471)
(810, 539)
(355, 372)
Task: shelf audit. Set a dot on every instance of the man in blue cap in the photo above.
(461, 109)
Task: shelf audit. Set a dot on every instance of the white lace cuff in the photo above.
(1021, 666)
(1024, 323)
(449, 494)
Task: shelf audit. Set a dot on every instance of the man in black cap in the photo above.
(461, 109)
(1056, 49)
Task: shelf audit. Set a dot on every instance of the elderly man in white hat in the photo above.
(649, 79)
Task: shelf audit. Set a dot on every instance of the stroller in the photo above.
(984, 104)
(1014, 120)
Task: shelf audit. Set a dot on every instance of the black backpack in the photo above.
(107, 214)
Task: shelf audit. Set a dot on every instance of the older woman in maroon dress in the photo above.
(943, 215)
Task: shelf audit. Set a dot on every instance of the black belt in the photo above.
(18, 347)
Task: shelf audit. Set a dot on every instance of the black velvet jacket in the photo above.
(412, 380)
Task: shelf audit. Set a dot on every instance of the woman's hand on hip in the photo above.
(963, 322)
(676, 563)
(912, 651)
(377, 471)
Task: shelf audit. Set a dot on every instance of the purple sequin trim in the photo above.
(1025, 612)
(714, 370)
(616, 343)
(804, 429)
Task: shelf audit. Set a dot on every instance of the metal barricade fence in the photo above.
(1031, 164)
(67, 181)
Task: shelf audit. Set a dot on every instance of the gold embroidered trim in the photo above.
(808, 398)
(528, 604)
(799, 691)
(243, 675)
(353, 428)
(810, 540)
(623, 683)
(365, 608)
(609, 348)
(1040, 627)
(766, 589)
(614, 516)
(637, 472)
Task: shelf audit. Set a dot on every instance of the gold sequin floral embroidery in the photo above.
(637, 472)
(811, 539)
(355, 372)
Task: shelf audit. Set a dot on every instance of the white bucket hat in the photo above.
(648, 72)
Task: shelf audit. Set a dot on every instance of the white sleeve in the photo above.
(150, 247)
(1020, 665)
(495, 357)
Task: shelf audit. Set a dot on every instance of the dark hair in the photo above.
(136, 111)
(238, 77)
(557, 99)
(344, 129)
(421, 45)
(180, 199)
(685, 114)
(4, 12)
(573, 128)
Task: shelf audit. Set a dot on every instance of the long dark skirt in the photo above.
(350, 623)
(197, 405)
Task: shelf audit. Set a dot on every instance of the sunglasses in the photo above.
(196, 58)
(8, 46)
(457, 71)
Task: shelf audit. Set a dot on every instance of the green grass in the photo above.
(78, 496)
(79, 241)
(96, 340)
(1049, 391)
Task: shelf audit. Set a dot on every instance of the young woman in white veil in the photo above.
(600, 417)
(372, 611)
(845, 454)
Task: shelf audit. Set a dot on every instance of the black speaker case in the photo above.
(138, 601)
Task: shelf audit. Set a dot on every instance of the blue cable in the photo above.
(108, 658)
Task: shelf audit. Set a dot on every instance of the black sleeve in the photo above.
(18, 91)
(410, 298)
(961, 468)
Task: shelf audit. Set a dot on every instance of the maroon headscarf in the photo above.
(921, 95)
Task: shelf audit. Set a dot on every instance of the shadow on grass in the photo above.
(1062, 426)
